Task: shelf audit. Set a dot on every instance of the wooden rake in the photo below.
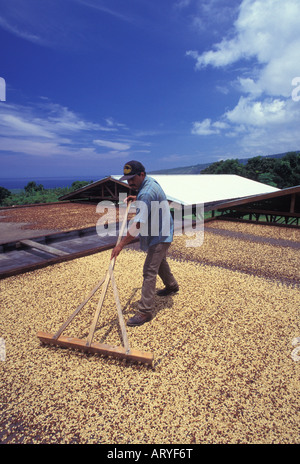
(121, 352)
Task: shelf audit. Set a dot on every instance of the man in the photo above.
(154, 224)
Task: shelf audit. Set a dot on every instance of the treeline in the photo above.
(279, 172)
(33, 194)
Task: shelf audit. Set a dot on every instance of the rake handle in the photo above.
(105, 285)
(70, 319)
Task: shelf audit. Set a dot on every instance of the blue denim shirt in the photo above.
(153, 214)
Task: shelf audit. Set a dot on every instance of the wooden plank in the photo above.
(42, 247)
(265, 211)
(276, 224)
(97, 348)
(254, 198)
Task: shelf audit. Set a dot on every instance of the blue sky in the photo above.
(91, 84)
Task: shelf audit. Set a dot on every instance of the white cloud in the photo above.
(44, 149)
(19, 126)
(49, 129)
(46, 120)
(265, 47)
(270, 125)
(259, 113)
(114, 145)
(267, 31)
(94, 4)
(203, 128)
(211, 15)
(207, 127)
(182, 4)
(20, 31)
(114, 125)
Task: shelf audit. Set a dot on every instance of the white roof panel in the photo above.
(207, 188)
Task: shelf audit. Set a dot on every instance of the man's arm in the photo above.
(131, 234)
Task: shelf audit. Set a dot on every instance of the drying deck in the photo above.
(29, 254)
(27, 243)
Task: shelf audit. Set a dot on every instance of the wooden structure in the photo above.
(22, 256)
(185, 189)
(281, 208)
(237, 198)
(107, 188)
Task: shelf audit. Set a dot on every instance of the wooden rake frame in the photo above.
(121, 352)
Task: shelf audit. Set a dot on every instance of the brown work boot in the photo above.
(139, 319)
(167, 291)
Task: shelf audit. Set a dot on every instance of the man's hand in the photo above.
(130, 198)
(116, 251)
(131, 234)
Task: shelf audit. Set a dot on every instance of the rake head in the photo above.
(98, 348)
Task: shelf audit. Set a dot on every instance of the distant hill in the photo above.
(197, 168)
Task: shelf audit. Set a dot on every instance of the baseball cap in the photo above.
(131, 169)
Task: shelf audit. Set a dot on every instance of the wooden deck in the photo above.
(29, 254)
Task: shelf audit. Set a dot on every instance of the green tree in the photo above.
(230, 166)
(279, 172)
(257, 166)
(293, 159)
(4, 193)
(79, 184)
(283, 173)
(33, 187)
(267, 178)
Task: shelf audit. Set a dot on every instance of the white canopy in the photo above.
(189, 189)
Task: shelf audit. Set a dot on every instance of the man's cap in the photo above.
(131, 169)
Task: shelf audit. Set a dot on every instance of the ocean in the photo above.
(12, 183)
